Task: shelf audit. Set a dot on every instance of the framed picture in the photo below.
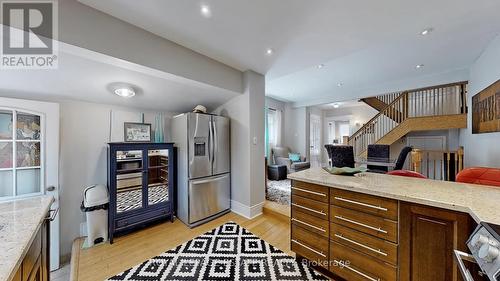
(137, 132)
(486, 110)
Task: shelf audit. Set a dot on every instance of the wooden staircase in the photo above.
(433, 108)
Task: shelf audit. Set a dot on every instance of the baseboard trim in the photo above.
(247, 211)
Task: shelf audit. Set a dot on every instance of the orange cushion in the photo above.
(480, 175)
(405, 173)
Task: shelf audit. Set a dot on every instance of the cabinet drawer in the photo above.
(133, 220)
(355, 266)
(310, 245)
(312, 191)
(376, 226)
(309, 222)
(32, 256)
(378, 206)
(310, 207)
(367, 244)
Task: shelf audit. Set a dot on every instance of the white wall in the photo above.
(482, 149)
(85, 131)
(247, 146)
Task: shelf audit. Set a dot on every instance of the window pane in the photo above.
(28, 126)
(5, 125)
(28, 181)
(6, 158)
(5, 183)
(28, 154)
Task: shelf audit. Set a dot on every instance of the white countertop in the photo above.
(481, 202)
(20, 220)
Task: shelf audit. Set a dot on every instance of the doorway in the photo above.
(315, 140)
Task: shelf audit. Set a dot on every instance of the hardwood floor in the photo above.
(271, 207)
(106, 260)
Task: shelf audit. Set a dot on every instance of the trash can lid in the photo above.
(95, 195)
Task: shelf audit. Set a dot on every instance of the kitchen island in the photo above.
(24, 237)
(381, 227)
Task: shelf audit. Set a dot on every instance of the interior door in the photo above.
(208, 197)
(34, 131)
(221, 146)
(200, 158)
(315, 140)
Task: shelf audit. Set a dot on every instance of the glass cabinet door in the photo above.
(157, 176)
(129, 179)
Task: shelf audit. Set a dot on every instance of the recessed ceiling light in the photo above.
(418, 66)
(269, 51)
(336, 105)
(426, 31)
(124, 91)
(205, 11)
(340, 84)
(321, 65)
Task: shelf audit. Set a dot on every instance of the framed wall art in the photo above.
(137, 132)
(486, 110)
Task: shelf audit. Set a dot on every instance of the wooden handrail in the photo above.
(438, 100)
(376, 116)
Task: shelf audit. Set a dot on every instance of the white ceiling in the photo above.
(362, 43)
(81, 78)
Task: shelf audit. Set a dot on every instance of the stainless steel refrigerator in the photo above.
(203, 168)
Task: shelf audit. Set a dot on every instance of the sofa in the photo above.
(280, 157)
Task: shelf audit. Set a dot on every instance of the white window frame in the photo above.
(14, 142)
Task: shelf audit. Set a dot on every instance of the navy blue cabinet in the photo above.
(141, 184)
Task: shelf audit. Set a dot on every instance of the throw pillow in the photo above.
(294, 157)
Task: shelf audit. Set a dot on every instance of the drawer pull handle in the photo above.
(378, 229)
(361, 204)
(309, 248)
(309, 209)
(308, 191)
(361, 245)
(357, 271)
(310, 225)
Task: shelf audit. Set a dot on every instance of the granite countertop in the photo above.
(481, 202)
(19, 222)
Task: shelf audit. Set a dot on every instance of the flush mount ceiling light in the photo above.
(340, 84)
(124, 91)
(205, 11)
(418, 66)
(269, 51)
(426, 31)
(321, 65)
(336, 105)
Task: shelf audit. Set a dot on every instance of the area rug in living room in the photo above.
(228, 252)
(279, 191)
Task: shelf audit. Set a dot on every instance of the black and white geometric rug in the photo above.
(228, 252)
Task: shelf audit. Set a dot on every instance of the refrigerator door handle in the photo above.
(216, 145)
(210, 142)
(208, 180)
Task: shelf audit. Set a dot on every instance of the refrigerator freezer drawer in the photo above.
(208, 196)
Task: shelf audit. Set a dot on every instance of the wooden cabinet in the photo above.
(428, 238)
(365, 237)
(35, 266)
(140, 183)
(309, 221)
